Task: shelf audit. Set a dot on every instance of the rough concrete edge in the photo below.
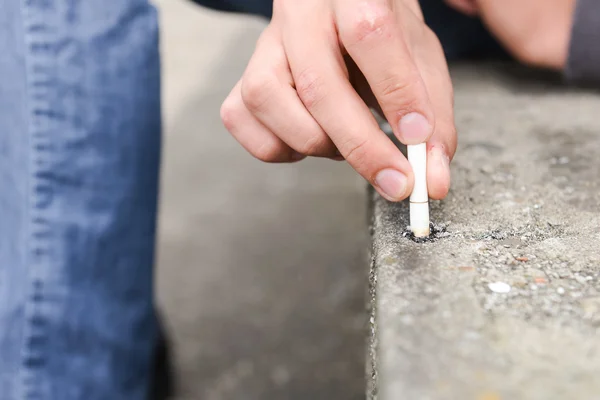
(371, 364)
(372, 376)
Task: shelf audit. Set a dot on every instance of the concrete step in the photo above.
(505, 302)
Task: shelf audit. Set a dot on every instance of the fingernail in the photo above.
(414, 128)
(392, 183)
(297, 156)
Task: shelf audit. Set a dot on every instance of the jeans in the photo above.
(79, 156)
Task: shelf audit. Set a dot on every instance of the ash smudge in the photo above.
(436, 232)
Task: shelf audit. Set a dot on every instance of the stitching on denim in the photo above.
(32, 355)
(41, 73)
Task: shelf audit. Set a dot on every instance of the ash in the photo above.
(436, 232)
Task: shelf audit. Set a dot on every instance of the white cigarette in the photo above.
(419, 198)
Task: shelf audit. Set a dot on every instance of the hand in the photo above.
(317, 69)
(535, 32)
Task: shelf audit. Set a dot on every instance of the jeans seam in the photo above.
(33, 357)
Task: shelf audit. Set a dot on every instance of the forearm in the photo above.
(583, 64)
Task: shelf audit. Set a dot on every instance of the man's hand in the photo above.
(535, 32)
(317, 69)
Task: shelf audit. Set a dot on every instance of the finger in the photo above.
(268, 93)
(321, 82)
(251, 134)
(368, 31)
(441, 146)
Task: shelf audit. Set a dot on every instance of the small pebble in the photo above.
(560, 290)
(499, 287)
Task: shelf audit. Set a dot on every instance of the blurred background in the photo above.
(262, 269)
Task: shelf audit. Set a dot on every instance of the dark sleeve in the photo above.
(583, 64)
(259, 7)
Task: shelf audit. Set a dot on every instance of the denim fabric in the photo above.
(79, 157)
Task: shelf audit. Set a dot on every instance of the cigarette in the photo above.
(419, 198)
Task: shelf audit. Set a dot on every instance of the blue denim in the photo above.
(79, 156)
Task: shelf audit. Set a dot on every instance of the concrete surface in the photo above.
(524, 211)
(261, 268)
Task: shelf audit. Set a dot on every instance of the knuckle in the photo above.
(372, 21)
(310, 88)
(395, 87)
(355, 152)
(229, 113)
(431, 39)
(257, 89)
(400, 94)
(269, 152)
(316, 145)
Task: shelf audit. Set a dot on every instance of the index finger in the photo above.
(376, 40)
(320, 78)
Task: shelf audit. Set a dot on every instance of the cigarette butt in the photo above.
(419, 198)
